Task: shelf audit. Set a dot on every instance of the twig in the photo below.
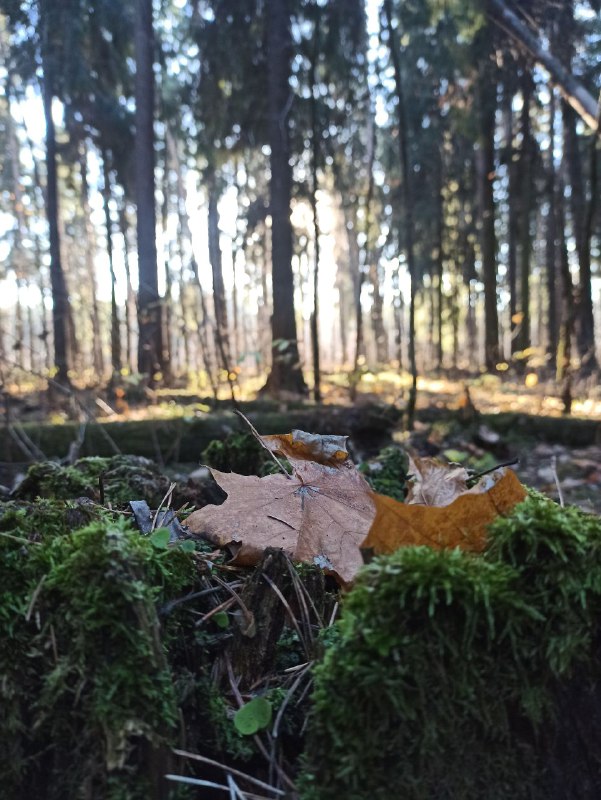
(229, 770)
(258, 437)
(34, 597)
(286, 605)
(166, 499)
(478, 475)
(556, 478)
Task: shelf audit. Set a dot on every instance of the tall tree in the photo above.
(150, 356)
(60, 298)
(286, 373)
(403, 134)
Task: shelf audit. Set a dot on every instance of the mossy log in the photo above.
(183, 439)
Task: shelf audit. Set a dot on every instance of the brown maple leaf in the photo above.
(435, 483)
(321, 514)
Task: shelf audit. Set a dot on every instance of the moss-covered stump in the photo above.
(108, 645)
(458, 676)
(89, 703)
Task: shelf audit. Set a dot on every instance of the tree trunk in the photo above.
(551, 241)
(408, 206)
(512, 216)
(525, 208)
(316, 232)
(149, 306)
(60, 298)
(115, 327)
(90, 249)
(286, 373)
(487, 101)
(574, 93)
(583, 311)
(130, 300)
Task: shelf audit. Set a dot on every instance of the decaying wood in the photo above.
(252, 651)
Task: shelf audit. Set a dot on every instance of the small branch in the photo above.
(556, 479)
(257, 436)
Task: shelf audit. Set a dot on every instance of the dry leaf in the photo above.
(321, 514)
(301, 446)
(463, 523)
(435, 483)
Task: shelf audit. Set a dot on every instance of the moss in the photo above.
(118, 479)
(387, 474)
(237, 452)
(87, 691)
(453, 675)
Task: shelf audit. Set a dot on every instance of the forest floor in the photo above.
(565, 472)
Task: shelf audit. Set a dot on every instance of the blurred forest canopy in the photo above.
(334, 185)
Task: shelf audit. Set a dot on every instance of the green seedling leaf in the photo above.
(455, 456)
(160, 538)
(253, 717)
(188, 546)
(221, 619)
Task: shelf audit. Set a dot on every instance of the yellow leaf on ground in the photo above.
(462, 524)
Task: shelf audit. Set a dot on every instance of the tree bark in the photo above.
(525, 208)
(551, 241)
(408, 206)
(316, 231)
(574, 93)
(487, 100)
(60, 298)
(286, 373)
(115, 331)
(583, 311)
(149, 304)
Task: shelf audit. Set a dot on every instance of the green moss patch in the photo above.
(457, 676)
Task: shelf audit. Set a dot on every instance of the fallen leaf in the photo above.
(463, 523)
(321, 514)
(434, 483)
(300, 446)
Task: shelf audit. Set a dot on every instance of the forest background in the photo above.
(215, 194)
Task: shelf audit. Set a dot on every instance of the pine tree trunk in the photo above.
(407, 205)
(150, 345)
(525, 206)
(60, 298)
(115, 325)
(583, 311)
(286, 373)
(90, 249)
(487, 101)
(551, 240)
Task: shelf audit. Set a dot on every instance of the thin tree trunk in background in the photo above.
(566, 329)
(316, 233)
(184, 234)
(130, 299)
(222, 344)
(525, 206)
(512, 218)
(551, 241)
(60, 298)
(408, 207)
(90, 249)
(115, 325)
(439, 268)
(150, 346)
(487, 101)
(583, 311)
(286, 373)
